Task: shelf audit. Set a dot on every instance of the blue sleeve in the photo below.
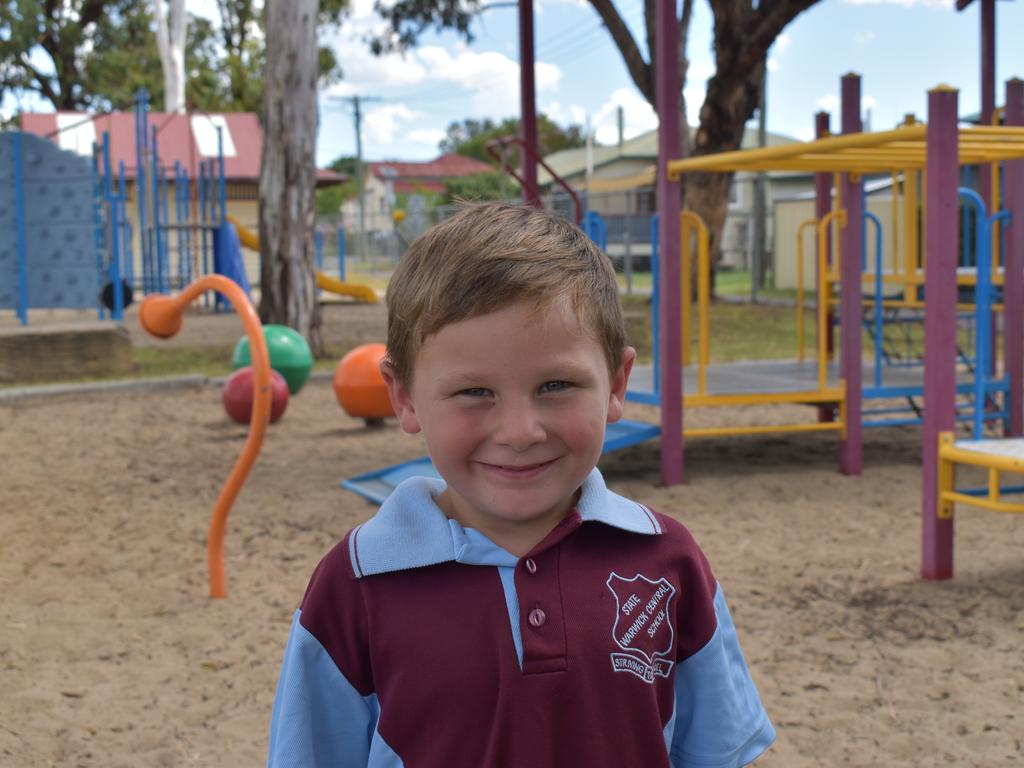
(719, 720)
(319, 719)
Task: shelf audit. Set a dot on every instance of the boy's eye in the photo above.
(475, 392)
(554, 386)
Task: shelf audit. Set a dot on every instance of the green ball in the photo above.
(289, 355)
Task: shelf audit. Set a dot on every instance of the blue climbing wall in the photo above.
(60, 226)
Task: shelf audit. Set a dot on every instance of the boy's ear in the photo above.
(620, 382)
(401, 400)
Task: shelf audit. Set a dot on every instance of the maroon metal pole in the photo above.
(1013, 273)
(669, 196)
(941, 227)
(852, 239)
(822, 206)
(528, 104)
(988, 89)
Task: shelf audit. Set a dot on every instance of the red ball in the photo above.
(359, 386)
(238, 395)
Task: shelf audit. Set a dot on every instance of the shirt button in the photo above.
(537, 618)
(531, 567)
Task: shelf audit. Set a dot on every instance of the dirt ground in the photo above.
(111, 654)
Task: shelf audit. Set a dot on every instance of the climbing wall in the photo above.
(60, 225)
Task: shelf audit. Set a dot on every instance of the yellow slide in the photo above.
(363, 293)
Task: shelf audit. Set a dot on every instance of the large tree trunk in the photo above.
(731, 99)
(170, 38)
(743, 34)
(288, 171)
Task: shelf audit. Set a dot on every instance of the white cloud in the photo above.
(829, 102)
(572, 114)
(382, 124)
(428, 137)
(781, 43)
(864, 38)
(805, 132)
(638, 117)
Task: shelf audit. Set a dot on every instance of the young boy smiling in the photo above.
(517, 613)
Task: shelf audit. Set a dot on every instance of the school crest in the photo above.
(642, 626)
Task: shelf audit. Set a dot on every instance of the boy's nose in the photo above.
(518, 426)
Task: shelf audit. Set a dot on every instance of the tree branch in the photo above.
(639, 70)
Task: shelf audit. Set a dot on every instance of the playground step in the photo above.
(62, 352)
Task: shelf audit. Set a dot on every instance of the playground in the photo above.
(111, 652)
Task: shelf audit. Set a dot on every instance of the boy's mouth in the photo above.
(518, 471)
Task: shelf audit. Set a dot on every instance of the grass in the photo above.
(728, 283)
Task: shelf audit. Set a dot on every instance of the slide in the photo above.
(363, 293)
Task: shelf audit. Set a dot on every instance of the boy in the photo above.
(518, 613)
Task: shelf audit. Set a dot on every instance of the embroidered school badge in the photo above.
(643, 626)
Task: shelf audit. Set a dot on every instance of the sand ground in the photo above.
(111, 654)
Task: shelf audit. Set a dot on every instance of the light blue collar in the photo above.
(411, 531)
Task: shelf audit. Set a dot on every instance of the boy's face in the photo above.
(513, 407)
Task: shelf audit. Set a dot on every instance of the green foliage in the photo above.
(479, 186)
(470, 138)
(408, 19)
(100, 52)
(329, 199)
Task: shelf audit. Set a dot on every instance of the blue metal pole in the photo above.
(868, 215)
(341, 253)
(129, 256)
(19, 227)
(203, 223)
(99, 236)
(141, 189)
(982, 308)
(180, 221)
(156, 232)
(220, 171)
(114, 268)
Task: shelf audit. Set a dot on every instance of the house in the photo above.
(385, 180)
(618, 182)
(184, 141)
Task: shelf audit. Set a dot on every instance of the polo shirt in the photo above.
(420, 642)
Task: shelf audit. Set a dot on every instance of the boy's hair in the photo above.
(488, 256)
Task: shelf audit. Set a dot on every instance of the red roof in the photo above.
(430, 175)
(188, 139)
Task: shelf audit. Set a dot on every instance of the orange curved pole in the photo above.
(161, 316)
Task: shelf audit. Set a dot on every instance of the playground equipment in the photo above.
(52, 239)
(289, 355)
(903, 149)
(237, 395)
(359, 386)
(362, 293)
(162, 317)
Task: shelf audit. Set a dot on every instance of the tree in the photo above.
(477, 186)
(743, 33)
(288, 170)
(97, 53)
(470, 137)
(170, 38)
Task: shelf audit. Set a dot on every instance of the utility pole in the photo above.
(357, 113)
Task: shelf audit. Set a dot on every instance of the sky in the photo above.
(901, 48)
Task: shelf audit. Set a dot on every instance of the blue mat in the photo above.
(377, 485)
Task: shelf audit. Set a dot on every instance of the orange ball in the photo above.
(359, 386)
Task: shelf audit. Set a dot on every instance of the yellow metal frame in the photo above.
(901, 148)
(950, 455)
(690, 223)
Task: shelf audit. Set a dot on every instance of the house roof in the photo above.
(438, 169)
(572, 163)
(188, 139)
